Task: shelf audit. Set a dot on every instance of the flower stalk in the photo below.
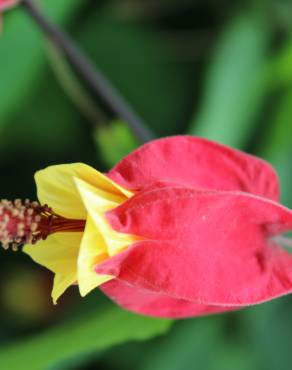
(92, 77)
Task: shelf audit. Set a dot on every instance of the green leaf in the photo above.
(20, 65)
(235, 83)
(83, 336)
(114, 141)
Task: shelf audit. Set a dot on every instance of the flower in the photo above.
(180, 227)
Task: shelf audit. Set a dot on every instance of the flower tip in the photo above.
(55, 296)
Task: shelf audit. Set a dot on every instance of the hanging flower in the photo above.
(180, 227)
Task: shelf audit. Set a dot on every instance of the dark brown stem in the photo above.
(91, 75)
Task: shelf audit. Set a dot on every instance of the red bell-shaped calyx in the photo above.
(208, 216)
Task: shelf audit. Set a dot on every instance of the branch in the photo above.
(90, 74)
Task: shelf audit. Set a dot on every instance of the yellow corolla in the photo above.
(79, 192)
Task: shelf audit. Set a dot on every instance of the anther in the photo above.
(15, 223)
(26, 222)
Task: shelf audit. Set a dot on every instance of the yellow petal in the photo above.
(72, 256)
(97, 202)
(92, 251)
(61, 283)
(56, 187)
(58, 252)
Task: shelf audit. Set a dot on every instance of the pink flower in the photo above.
(209, 216)
(180, 227)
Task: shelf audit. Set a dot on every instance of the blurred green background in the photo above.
(219, 69)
